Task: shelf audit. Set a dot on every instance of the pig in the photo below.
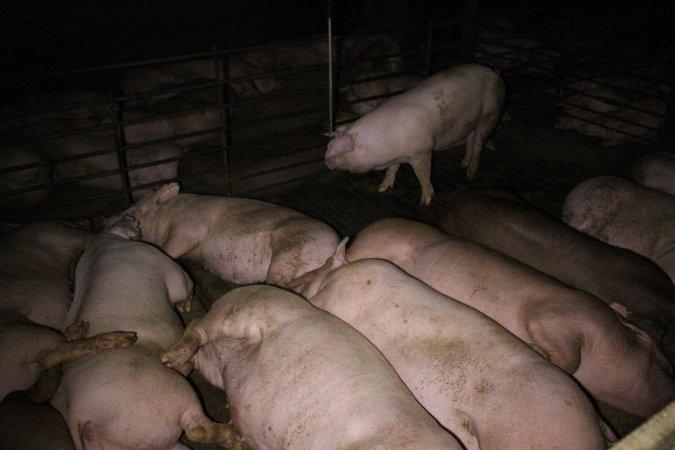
(656, 170)
(158, 162)
(29, 349)
(298, 378)
(24, 168)
(28, 425)
(36, 262)
(615, 109)
(615, 361)
(182, 114)
(459, 104)
(241, 240)
(477, 379)
(89, 158)
(498, 219)
(126, 398)
(625, 214)
(382, 88)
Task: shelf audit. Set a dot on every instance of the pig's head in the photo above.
(310, 283)
(146, 205)
(338, 146)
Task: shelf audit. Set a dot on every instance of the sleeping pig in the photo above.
(36, 263)
(126, 398)
(29, 349)
(657, 171)
(476, 378)
(298, 378)
(630, 283)
(240, 240)
(459, 104)
(625, 214)
(617, 362)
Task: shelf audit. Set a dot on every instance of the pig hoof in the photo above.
(176, 356)
(116, 339)
(77, 330)
(184, 306)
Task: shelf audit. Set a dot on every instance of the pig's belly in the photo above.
(240, 261)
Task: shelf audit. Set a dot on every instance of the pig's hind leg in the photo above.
(422, 167)
(475, 142)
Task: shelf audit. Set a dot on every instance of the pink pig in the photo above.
(460, 104)
(126, 398)
(477, 379)
(241, 240)
(298, 378)
(617, 362)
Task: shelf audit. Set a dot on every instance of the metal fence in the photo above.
(249, 121)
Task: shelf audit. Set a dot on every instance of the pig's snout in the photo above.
(338, 146)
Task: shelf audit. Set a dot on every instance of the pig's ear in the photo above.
(167, 192)
(339, 146)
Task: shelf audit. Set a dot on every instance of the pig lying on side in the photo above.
(241, 240)
(614, 360)
(460, 104)
(472, 375)
(657, 171)
(627, 215)
(29, 349)
(500, 220)
(36, 263)
(126, 398)
(28, 425)
(298, 378)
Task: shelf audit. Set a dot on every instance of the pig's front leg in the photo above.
(178, 245)
(389, 178)
(422, 167)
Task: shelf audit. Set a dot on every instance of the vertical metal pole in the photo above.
(430, 46)
(564, 65)
(219, 65)
(121, 155)
(331, 82)
(469, 30)
(667, 141)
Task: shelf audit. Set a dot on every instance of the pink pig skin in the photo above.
(477, 379)
(127, 398)
(298, 378)
(657, 171)
(617, 362)
(460, 104)
(500, 220)
(241, 240)
(36, 263)
(625, 214)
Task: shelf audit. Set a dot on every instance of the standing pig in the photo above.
(614, 360)
(627, 215)
(298, 378)
(477, 379)
(500, 220)
(126, 398)
(657, 171)
(241, 240)
(460, 104)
